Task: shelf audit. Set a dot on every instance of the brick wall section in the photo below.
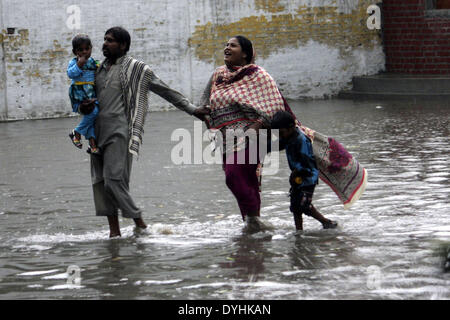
(414, 42)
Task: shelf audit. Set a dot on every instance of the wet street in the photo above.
(390, 245)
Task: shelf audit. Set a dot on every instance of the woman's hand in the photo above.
(256, 126)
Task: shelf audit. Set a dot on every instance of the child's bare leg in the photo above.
(93, 149)
(327, 223)
(318, 216)
(92, 143)
(298, 219)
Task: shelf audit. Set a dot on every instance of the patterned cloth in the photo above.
(241, 97)
(135, 77)
(337, 167)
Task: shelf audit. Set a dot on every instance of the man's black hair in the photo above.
(246, 46)
(121, 35)
(79, 40)
(282, 120)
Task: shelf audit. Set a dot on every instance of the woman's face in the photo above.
(233, 54)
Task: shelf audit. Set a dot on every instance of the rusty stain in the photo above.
(272, 32)
(271, 6)
(57, 52)
(14, 41)
(33, 72)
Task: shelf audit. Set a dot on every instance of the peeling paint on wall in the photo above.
(269, 5)
(311, 48)
(270, 33)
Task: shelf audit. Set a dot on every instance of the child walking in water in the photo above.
(81, 70)
(305, 174)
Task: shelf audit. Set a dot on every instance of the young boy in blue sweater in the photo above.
(82, 70)
(305, 174)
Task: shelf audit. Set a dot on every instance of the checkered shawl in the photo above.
(135, 80)
(243, 96)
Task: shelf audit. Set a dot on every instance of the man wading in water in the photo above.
(122, 85)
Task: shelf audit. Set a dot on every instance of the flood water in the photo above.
(390, 245)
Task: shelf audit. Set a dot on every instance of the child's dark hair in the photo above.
(121, 35)
(247, 47)
(282, 120)
(79, 40)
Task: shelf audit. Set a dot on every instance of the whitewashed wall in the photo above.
(37, 54)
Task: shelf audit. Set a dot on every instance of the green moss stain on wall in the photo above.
(274, 30)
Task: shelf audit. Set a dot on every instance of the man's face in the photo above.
(111, 48)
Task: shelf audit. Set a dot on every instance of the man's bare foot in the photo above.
(114, 235)
(114, 227)
(140, 223)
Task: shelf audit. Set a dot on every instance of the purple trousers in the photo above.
(243, 182)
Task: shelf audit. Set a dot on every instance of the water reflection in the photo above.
(247, 260)
(196, 249)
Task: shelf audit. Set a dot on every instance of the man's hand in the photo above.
(201, 112)
(87, 106)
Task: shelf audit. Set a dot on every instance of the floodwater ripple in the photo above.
(390, 245)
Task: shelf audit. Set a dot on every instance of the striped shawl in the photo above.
(135, 79)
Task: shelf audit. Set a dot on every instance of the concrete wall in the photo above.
(416, 37)
(311, 48)
(3, 110)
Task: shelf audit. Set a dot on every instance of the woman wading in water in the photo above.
(241, 95)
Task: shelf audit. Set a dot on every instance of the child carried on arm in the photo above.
(82, 70)
(305, 174)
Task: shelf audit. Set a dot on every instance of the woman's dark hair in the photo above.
(79, 40)
(282, 120)
(246, 46)
(121, 35)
